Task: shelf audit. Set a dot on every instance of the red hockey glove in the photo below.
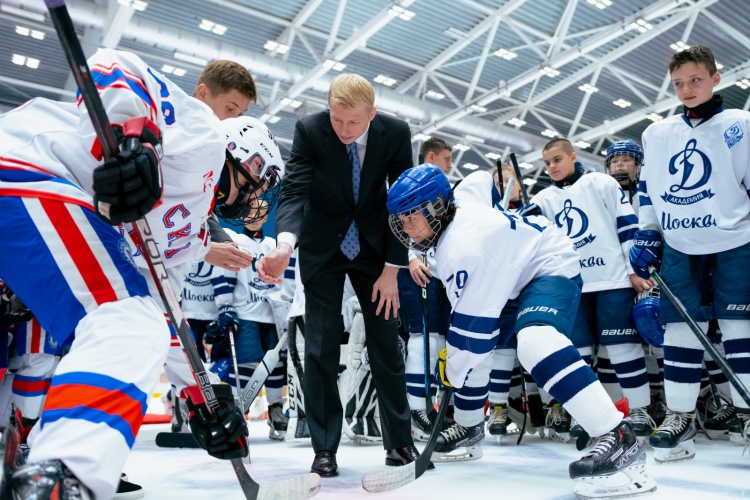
(223, 434)
(129, 185)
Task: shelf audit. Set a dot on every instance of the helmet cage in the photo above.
(432, 211)
(246, 207)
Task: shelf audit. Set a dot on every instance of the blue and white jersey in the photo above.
(206, 289)
(694, 188)
(251, 291)
(485, 258)
(596, 214)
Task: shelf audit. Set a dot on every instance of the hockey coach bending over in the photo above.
(486, 257)
(67, 254)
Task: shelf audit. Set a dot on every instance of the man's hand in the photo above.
(641, 285)
(272, 266)
(386, 287)
(420, 272)
(229, 256)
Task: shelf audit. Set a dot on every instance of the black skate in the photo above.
(643, 424)
(723, 423)
(657, 410)
(742, 436)
(615, 467)
(421, 424)
(48, 480)
(277, 421)
(459, 444)
(558, 422)
(674, 439)
(127, 490)
(497, 424)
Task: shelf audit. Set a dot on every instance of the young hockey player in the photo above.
(69, 259)
(596, 215)
(696, 210)
(488, 257)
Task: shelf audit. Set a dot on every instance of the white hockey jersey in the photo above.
(250, 291)
(694, 187)
(206, 289)
(486, 257)
(48, 151)
(596, 214)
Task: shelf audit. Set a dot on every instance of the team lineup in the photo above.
(610, 311)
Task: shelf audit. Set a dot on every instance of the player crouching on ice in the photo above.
(486, 257)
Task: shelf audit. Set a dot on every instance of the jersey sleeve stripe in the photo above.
(116, 77)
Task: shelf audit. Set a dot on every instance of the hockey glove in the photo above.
(129, 185)
(219, 341)
(440, 374)
(528, 210)
(228, 319)
(17, 312)
(223, 434)
(645, 252)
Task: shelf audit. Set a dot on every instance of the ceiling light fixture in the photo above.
(334, 65)
(505, 54)
(549, 133)
(385, 80)
(550, 72)
(213, 27)
(471, 166)
(582, 144)
(398, 11)
(517, 122)
(622, 103)
(654, 117)
(589, 89)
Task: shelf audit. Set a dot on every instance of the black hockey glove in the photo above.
(222, 434)
(17, 312)
(129, 185)
(218, 339)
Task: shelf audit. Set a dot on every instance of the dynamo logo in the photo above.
(695, 168)
(575, 223)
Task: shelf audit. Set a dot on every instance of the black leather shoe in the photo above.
(325, 464)
(404, 455)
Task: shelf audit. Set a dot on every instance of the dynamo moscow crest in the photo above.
(691, 168)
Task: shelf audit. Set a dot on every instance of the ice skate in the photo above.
(557, 423)
(421, 424)
(127, 490)
(656, 409)
(277, 421)
(517, 410)
(741, 435)
(643, 424)
(48, 480)
(459, 444)
(614, 468)
(674, 439)
(723, 423)
(499, 423)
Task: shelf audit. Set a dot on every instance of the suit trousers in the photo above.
(323, 332)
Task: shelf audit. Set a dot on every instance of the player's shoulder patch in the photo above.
(733, 134)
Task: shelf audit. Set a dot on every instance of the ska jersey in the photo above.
(596, 214)
(694, 187)
(49, 150)
(486, 257)
(250, 292)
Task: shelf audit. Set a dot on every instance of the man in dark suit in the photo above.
(333, 205)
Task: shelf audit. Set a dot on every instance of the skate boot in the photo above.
(615, 467)
(421, 424)
(657, 410)
(741, 435)
(557, 422)
(49, 479)
(127, 490)
(575, 428)
(723, 423)
(643, 424)
(459, 444)
(674, 439)
(498, 422)
(277, 421)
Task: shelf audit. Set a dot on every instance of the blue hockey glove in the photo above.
(528, 210)
(440, 375)
(228, 319)
(646, 251)
(223, 433)
(218, 339)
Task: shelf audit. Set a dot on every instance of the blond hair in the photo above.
(350, 91)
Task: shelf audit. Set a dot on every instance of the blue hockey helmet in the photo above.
(646, 317)
(424, 188)
(629, 148)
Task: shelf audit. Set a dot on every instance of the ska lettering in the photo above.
(593, 262)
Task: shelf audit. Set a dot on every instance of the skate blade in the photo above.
(301, 487)
(626, 483)
(717, 435)
(462, 454)
(683, 451)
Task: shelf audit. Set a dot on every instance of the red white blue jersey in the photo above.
(485, 258)
(694, 185)
(48, 150)
(596, 214)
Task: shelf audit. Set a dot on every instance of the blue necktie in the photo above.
(350, 245)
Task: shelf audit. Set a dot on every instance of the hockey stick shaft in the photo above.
(702, 337)
(237, 382)
(426, 332)
(499, 165)
(517, 170)
(297, 321)
(506, 199)
(82, 75)
(261, 374)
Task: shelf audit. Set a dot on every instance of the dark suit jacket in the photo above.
(317, 200)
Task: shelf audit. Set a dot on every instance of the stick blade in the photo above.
(297, 488)
(389, 478)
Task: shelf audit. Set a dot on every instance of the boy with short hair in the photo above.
(694, 203)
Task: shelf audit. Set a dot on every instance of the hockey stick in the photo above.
(428, 406)
(391, 478)
(702, 338)
(293, 351)
(517, 169)
(236, 368)
(104, 132)
(499, 165)
(506, 199)
(262, 372)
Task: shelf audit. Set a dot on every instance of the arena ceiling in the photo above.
(490, 76)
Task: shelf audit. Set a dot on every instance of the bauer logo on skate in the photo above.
(690, 163)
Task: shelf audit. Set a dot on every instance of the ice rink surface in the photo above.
(537, 469)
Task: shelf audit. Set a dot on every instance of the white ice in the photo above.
(536, 469)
